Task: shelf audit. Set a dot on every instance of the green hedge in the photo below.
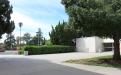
(34, 50)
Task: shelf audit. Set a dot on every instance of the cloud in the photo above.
(29, 24)
(36, 14)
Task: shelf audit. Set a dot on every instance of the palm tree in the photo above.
(20, 25)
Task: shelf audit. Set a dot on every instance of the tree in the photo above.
(10, 42)
(38, 39)
(62, 34)
(27, 37)
(43, 41)
(17, 40)
(33, 41)
(96, 18)
(6, 25)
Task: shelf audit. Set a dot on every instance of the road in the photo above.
(26, 66)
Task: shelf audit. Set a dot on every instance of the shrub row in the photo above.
(34, 50)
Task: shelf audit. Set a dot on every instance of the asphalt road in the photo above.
(24, 66)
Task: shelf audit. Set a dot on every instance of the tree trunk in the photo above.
(116, 55)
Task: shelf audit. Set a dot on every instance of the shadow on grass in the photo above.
(105, 61)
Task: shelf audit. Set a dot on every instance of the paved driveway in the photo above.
(26, 66)
(67, 56)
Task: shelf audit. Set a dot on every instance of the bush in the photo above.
(34, 50)
(21, 51)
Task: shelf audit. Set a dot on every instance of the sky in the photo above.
(36, 14)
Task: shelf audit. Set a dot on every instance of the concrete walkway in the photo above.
(96, 69)
(56, 60)
(66, 56)
(9, 52)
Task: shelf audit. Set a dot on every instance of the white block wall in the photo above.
(99, 44)
(89, 44)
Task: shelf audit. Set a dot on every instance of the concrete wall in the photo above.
(89, 44)
(99, 44)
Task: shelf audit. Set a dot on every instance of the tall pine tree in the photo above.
(6, 25)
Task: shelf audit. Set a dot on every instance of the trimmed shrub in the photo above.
(35, 50)
(21, 51)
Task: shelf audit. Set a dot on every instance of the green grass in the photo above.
(105, 61)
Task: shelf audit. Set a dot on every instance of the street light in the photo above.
(20, 25)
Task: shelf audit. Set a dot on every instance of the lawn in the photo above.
(105, 61)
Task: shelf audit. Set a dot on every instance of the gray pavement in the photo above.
(52, 64)
(27, 66)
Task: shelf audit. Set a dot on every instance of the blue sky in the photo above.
(37, 14)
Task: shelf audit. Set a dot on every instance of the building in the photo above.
(94, 44)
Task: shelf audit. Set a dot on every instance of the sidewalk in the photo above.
(67, 56)
(9, 52)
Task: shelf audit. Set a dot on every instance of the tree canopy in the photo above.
(27, 37)
(6, 25)
(62, 34)
(10, 42)
(96, 18)
(38, 39)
